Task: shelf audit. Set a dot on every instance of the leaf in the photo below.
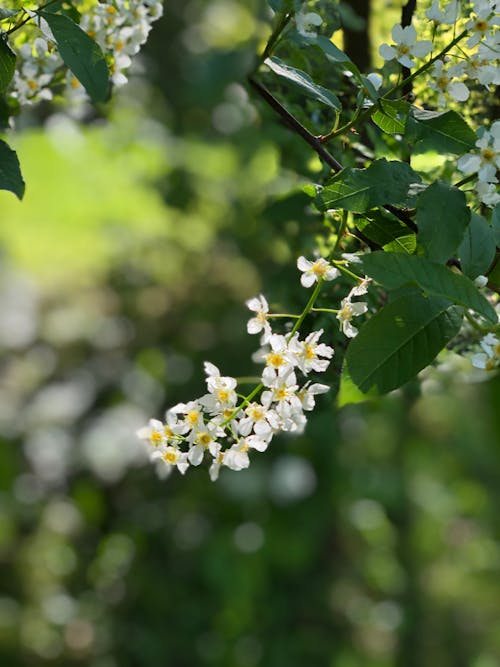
(393, 270)
(495, 221)
(82, 55)
(381, 227)
(303, 81)
(7, 65)
(406, 244)
(10, 172)
(477, 250)
(7, 13)
(442, 218)
(360, 190)
(441, 132)
(349, 392)
(400, 340)
(391, 115)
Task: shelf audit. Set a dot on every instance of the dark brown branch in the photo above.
(317, 146)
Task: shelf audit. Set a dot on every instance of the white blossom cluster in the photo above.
(484, 162)
(450, 76)
(224, 426)
(120, 27)
(489, 358)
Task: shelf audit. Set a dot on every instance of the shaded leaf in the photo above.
(391, 115)
(495, 222)
(477, 250)
(381, 227)
(7, 13)
(406, 244)
(445, 132)
(82, 55)
(400, 340)
(303, 81)
(442, 218)
(360, 190)
(10, 172)
(7, 65)
(393, 270)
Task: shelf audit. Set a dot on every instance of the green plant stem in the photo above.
(345, 271)
(466, 180)
(282, 22)
(307, 309)
(243, 404)
(341, 232)
(294, 317)
(426, 65)
(28, 19)
(324, 310)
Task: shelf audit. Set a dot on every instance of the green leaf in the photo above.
(381, 227)
(442, 132)
(7, 65)
(442, 218)
(10, 172)
(303, 81)
(82, 55)
(400, 340)
(477, 250)
(406, 244)
(7, 13)
(360, 190)
(349, 392)
(391, 115)
(394, 270)
(495, 222)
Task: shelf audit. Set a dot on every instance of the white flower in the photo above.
(442, 82)
(482, 23)
(446, 17)
(320, 269)
(262, 420)
(172, 457)
(153, 434)
(236, 457)
(222, 395)
(193, 415)
(259, 323)
(203, 437)
(489, 359)
(481, 281)
(487, 193)
(308, 392)
(487, 161)
(280, 359)
(359, 290)
(347, 311)
(304, 22)
(308, 353)
(405, 45)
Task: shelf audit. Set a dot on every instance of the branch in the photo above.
(317, 146)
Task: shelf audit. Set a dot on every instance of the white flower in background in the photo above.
(489, 359)
(236, 457)
(487, 161)
(487, 193)
(259, 323)
(362, 288)
(447, 17)
(483, 23)
(444, 83)
(480, 281)
(375, 79)
(311, 355)
(320, 269)
(306, 21)
(153, 434)
(405, 46)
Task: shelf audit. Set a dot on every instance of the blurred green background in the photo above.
(372, 540)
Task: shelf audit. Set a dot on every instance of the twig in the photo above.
(317, 146)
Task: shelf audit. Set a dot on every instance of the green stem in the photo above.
(426, 66)
(28, 19)
(342, 268)
(282, 22)
(324, 310)
(341, 232)
(288, 315)
(243, 403)
(307, 309)
(467, 179)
